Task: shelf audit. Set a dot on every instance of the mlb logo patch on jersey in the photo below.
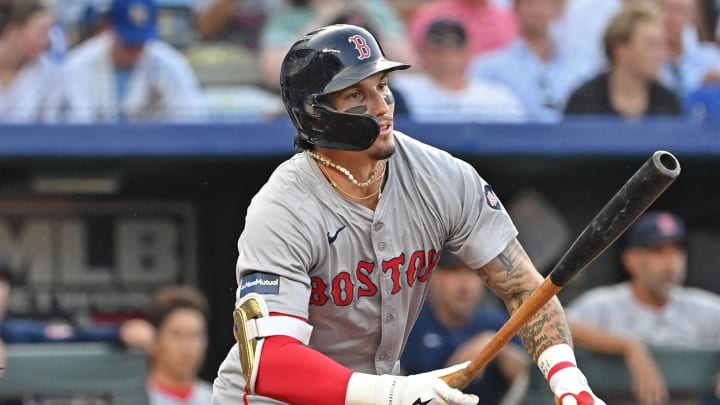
(261, 283)
(491, 198)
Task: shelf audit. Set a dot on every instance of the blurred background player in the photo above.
(455, 324)
(652, 309)
(179, 315)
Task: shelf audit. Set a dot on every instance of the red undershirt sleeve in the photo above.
(296, 374)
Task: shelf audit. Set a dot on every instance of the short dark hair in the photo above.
(18, 12)
(172, 298)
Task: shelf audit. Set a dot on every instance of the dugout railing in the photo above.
(74, 373)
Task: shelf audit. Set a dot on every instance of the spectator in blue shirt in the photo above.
(453, 328)
(533, 66)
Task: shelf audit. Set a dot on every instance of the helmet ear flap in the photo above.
(328, 128)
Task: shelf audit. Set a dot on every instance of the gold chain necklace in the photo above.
(337, 187)
(376, 175)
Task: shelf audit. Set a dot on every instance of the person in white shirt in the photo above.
(653, 309)
(128, 74)
(690, 63)
(27, 78)
(444, 92)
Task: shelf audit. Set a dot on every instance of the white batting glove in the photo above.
(567, 382)
(417, 389)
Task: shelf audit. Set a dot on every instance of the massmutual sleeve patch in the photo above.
(491, 198)
(261, 283)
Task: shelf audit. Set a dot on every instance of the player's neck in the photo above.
(364, 190)
(648, 299)
(170, 381)
(358, 164)
(629, 93)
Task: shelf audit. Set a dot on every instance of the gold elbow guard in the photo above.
(250, 308)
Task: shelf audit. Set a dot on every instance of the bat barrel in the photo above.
(638, 193)
(666, 163)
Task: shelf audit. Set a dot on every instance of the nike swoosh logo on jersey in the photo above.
(421, 402)
(331, 238)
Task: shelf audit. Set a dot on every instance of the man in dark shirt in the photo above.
(635, 48)
(454, 326)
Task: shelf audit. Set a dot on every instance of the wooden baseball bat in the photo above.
(635, 196)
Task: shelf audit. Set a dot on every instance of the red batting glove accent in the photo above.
(583, 398)
(560, 366)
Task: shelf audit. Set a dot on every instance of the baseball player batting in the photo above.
(340, 244)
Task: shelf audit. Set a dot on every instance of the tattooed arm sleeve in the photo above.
(513, 277)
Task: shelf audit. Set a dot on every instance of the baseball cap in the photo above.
(656, 228)
(445, 31)
(134, 21)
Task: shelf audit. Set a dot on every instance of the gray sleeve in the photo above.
(588, 308)
(480, 227)
(274, 255)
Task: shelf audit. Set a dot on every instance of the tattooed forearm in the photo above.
(506, 275)
(512, 276)
(548, 327)
(511, 257)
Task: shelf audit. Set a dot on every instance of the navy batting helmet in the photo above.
(324, 61)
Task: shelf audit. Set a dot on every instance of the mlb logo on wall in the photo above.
(261, 283)
(491, 198)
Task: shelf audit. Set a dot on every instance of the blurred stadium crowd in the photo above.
(90, 61)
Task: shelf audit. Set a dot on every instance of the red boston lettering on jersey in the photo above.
(342, 289)
(394, 266)
(361, 45)
(416, 265)
(363, 272)
(433, 259)
(317, 295)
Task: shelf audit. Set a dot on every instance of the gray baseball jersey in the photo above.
(690, 320)
(360, 276)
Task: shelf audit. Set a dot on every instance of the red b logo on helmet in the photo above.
(361, 46)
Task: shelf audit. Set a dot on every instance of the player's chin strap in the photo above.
(253, 323)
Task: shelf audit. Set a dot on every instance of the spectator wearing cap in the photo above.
(490, 26)
(652, 309)
(455, 324)
(444, 92)
(129, 74)
(534, 66)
